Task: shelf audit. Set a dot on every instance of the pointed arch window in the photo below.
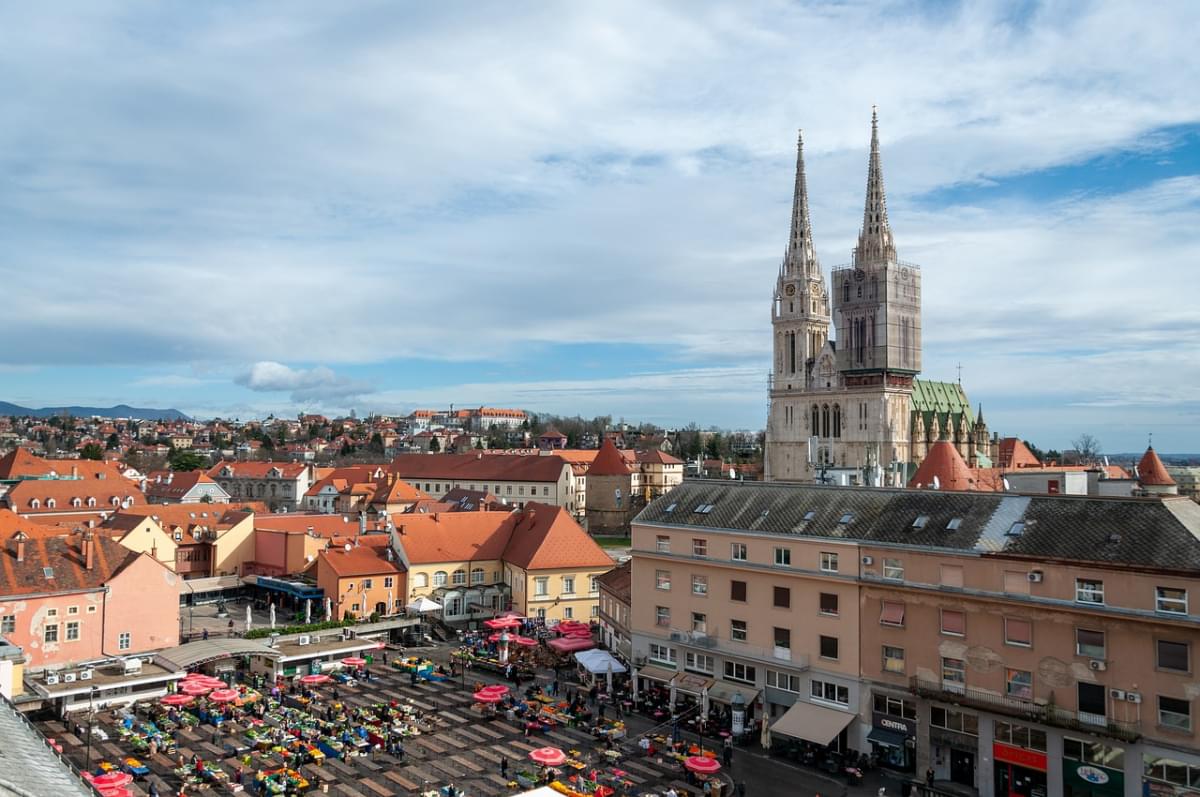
(816, 419)
(825, 420)
(846, 291)
(791, 352)
(837, 420)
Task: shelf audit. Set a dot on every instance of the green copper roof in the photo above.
(944, 400)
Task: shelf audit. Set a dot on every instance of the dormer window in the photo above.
(954, 524)
(115, 501)
(809, 515)
(91, 500)
(1016, 529)
(35, 504)
(846, 519)
(920, 522)
(51, 503)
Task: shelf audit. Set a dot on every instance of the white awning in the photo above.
(723, 692)
(812, 723)
(599, 662)
(657, 673)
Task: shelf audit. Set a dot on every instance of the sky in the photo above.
(238, 209)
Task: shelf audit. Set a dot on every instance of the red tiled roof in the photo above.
(63, 492)
(944, 463)
(328, 526)
(546, 537)
(618, 581)
(169, 484)
(20, 462)
(1014, 453)
(1151, 471)
(62, 554)
(257, 470)
(608, 461)
(360, 560)
(658, 457)
(452, 536)
(478, 467)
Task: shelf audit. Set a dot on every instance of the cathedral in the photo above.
(851, 410)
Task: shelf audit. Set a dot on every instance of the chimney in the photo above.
(89, 550)
(19, 540)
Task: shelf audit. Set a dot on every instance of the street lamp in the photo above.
(87, 767)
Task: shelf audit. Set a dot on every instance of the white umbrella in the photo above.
(423, 604)
(272, 615)
(388, 612)
(248, 618)
(307, 611)
(765, 740)
(328, 609)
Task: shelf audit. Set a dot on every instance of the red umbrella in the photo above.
(177, 700)
(224, 696)
(484, 696)
(496, 689)
(117, 792)
(354, 661)
(315, 679)
(702, 765)
(194, 688)
(502, 622)
(112, 780)
(548, 756)
(525, 641)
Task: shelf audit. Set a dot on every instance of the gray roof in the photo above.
(1146, 532)
(28, 767)
(193, 654)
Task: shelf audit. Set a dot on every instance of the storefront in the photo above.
(1170, 773)
(1019, 772)
(893, 741)
(1089, 780)
(953, 756)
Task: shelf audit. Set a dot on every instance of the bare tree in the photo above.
(1087, 447)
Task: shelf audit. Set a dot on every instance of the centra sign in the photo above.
(1092, 775)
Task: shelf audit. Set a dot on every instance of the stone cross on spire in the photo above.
(875, 238)
(801, 258)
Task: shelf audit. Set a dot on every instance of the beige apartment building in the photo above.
(1015, 645)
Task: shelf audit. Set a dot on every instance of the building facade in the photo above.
(279, 485)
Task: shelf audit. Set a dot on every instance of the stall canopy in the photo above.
(570, 644)
(692, 684)
(599, 662)
(812, 723)
(423, 604)
(657, 673)
(723, 692)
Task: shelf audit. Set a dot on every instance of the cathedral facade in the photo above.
(851, 410)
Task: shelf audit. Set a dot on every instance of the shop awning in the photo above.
(723, 692)
(657, 673)
(692, 684)
(812, 723)
(886, 738)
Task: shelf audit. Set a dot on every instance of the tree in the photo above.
(434, 445)
(113, 442)
(1087, 446)
(376, 444)
(713, 449)
(185, 460)
(479, 444)
(92, 451)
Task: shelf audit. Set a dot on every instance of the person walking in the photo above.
(504, 767)
(727, 752)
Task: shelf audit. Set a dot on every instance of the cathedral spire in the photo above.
(801, 257)
(875, 238)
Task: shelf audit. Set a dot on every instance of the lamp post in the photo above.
(87, 767)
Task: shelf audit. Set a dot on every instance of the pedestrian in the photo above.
(204, 634)
(929, 776)
(741, 788)
(153, 792)
(727, 752)
(503, 767)
(708, 788)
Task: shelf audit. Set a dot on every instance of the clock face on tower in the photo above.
(790, 290)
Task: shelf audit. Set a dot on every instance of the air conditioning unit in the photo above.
(1034, 576)
(52, 678)
(1133, 697)
(868, 560)
(303, 640)
(85, 675)
(69, 678)
(1117, 694)
(132, 666)
(1098, 664)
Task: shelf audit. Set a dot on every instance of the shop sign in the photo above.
(894, 724)
(1092, 775)
(1107, 781)
(1030, 759)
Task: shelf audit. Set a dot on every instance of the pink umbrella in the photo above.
(112, 780)
(702, 765)
(570, 644)
(495, 689)
(315, 679)
(224, 696)
(117, 792)
(194, 688)
(484, 696)
(525, 641)
(548, 756)
(177, 700)
(354, 661)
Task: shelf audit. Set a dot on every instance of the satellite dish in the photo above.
(348, 547)
(937, 483)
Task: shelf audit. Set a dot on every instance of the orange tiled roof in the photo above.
(361, 560)
(257, 470)
(452, 536)
(546, 537)
(608, 461)
(1151, 471)
(63, 555)
(944, 463)
(1014, 453)
(64, 492)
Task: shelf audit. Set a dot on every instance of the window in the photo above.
(367, 583)
(698, 662)
(782, 598)
(1092, 700)
(354, 607)
(8, 624)
(699, 547)
(439, 578)
(593, 584)
(920, 521)
(420, 580)
(1170, 771)
(73, 631)
(893, 659)
(662, 579)
(829, 647)
(459, 577)
(700, 622)
(828, 604)
(541, 586)
(737, 591)
(954, 524)
(829, 692)
(895, 706)
(568, 613)
(737, 630)
(388, 582)
(1174, 713)
(783, 638)
(662, 654)
(1170, 600)
(954, 623)
(662, 543)
(829, 562)
(846, 519)
(1173, 656)
(783, 557)
(892, 613)
(952, 720)
(954, 674)
(1089, 591)
(893, 568)
(737, 551)
(1018, 684)
(72, 610)
(568, 585)
(784, 681)
(952, 576)
(1018, 632)
(477, 575)
(1094, 753)
(1089, 643)
(736, 671)
(595, 611)
(1019, 736)
(662, 616)
(52, 612)
(699, 585)
(124, 640)
(50, 633)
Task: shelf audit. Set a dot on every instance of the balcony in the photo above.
(1035, 711)
(711, 641)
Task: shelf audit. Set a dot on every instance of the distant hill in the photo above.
(119, 411)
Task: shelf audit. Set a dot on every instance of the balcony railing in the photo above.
(1032, 711)
(709, 640)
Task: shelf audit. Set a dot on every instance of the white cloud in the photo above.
(305, 385)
